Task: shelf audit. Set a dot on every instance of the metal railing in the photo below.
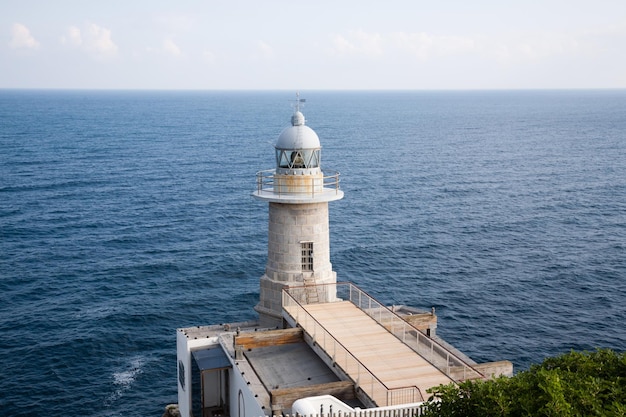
(435, 353)
(407, 411)
(341, 357)
(268, 183)
(413, 410)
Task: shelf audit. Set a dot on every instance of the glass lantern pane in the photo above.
(297, 161)
(281, 156)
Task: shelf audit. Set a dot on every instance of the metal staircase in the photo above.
(310, 288)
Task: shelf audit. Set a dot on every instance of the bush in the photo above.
(574, 384)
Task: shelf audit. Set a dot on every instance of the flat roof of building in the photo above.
(288, 366)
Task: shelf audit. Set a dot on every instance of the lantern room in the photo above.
(298, 149)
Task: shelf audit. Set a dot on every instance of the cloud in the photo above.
(547, 45)
(94, 40)
(21, 38)
(420, 45)
(72, 37)
(424, 45)
(168, 48)
(535, 47)
(171, 48)
(99, 42)
(359, 43)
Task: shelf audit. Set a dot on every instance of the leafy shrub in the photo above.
(575, 384)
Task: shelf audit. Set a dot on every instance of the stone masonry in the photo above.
(289, 226)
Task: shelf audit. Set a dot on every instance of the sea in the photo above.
(125, 215)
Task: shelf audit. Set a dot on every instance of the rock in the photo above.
(171, 410)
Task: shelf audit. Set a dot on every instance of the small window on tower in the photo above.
(307, 256)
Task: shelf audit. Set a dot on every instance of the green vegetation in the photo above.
(574, 384)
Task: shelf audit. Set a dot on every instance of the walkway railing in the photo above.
(375, 389)
(435, 353)
(268, 183)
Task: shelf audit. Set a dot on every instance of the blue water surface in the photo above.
(125, 215)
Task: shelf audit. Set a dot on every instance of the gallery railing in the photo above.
(268, 182)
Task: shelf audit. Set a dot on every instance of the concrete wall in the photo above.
(184, 346)
(494, 369)
(242, 400)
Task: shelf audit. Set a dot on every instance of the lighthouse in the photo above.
(298, 193)
(305, 354)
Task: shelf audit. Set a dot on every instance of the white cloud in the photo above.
(359, 43)
(168, 48)
(99, 43)
(72, 37)
(21, 38)
(534, 47)
(171, 48)
(94, 40)
(425, 46)
(545, 45)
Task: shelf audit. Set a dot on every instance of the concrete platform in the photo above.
(289, 366)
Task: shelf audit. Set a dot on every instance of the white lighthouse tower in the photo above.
(298, 193)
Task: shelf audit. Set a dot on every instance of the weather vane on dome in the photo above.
(298, 101)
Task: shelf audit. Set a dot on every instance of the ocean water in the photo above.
(125, 215)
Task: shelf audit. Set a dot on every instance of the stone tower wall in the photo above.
(289, 225)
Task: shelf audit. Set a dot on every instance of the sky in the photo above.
(314, 44)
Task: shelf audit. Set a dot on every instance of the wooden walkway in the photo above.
(391, 361)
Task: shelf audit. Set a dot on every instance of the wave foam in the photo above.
(123, 379)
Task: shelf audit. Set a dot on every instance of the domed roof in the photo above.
(297, 136)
